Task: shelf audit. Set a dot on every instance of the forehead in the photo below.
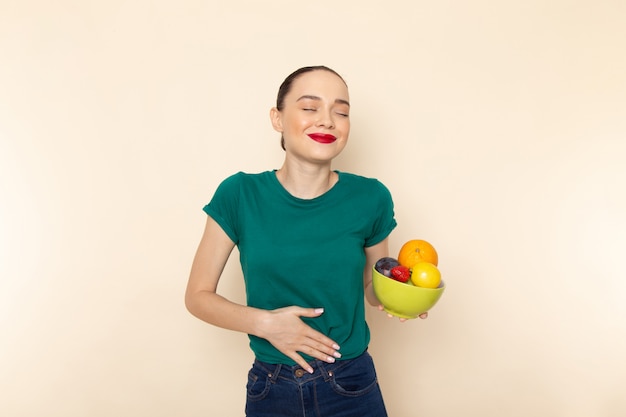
(320, 83)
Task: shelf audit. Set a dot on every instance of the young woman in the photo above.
(308, 237)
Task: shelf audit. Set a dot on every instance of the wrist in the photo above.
(261, 319)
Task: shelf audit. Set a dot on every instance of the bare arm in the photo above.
(372, 255)
(201, 298)
(283, 327)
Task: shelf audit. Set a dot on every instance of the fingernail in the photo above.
(330, 359)
(336, 346)
(337, 355)
(309, 370)
(319, 310)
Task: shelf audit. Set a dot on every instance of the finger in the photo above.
(424, 315)
(312, 342)
(315, 350)
(323, 352)
(308, 312)
(301, 362)
(322, 345)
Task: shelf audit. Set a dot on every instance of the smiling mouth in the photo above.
(322, 137)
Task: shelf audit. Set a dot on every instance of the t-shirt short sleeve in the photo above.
(224, 206)
(384, 221)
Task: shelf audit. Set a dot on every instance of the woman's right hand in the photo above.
(286, 331)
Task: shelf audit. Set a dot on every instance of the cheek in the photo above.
(345, 127)
(298, 122)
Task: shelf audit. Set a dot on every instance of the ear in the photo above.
(277, 122)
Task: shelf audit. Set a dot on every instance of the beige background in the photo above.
(499, 127)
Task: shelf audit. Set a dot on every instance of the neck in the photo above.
(306, 182)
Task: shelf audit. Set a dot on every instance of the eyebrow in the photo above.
(310, 97)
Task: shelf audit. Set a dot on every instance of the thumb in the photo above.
(310, 312)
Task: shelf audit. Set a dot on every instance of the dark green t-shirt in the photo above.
(308, 253)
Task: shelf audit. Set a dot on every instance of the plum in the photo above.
(385, 265)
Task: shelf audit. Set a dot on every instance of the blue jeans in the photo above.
(346, 388)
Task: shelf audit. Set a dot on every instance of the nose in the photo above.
(325, 119)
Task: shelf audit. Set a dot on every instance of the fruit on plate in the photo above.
(417, 250)
(385, 265)
(400, 273)
(425, 275)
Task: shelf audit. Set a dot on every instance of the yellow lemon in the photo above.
(425, 275)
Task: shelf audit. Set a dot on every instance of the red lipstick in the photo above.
(322, 137)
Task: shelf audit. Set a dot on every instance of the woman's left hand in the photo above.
(421, 316)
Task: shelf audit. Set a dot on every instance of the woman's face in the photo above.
(315, 120)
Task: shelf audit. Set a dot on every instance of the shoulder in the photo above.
(245, 179)
(240, 183)
(359, 182)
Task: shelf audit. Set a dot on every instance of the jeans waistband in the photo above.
(320, 369)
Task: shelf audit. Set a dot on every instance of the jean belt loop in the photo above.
(325, 372)
(273, 376)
